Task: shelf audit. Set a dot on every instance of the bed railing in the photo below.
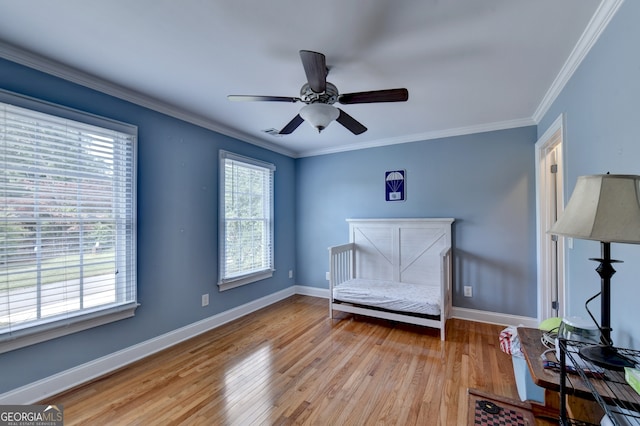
(445, 284)
(342, 268)
(341, 261)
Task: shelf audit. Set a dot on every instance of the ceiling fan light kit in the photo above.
(320, 95)
(319, 116)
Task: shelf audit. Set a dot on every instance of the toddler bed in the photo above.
(397, 269)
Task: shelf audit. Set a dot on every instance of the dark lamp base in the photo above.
(606, 357)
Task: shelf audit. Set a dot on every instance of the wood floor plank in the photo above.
(291, 364)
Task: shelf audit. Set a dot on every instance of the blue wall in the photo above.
(177, 229)
(485, 181)
(600, 104)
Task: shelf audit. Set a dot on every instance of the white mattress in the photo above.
(403, 297)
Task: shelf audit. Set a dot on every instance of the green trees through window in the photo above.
(66, 227)
(246, 244)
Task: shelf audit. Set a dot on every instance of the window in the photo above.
(67, 226)
(246, 220)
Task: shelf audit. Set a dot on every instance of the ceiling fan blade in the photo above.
(292, 125)
(353, 125)
(252, 98)
(315, 67)
(388, 95)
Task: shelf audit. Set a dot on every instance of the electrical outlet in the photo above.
(468, 291)
(327, 275)
(205, 299)
(290, 273)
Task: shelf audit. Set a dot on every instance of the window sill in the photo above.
(44, 332)
(245, 279)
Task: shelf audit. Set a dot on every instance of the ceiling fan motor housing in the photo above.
(319, 111)
(329, 96)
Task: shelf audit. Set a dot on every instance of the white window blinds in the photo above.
(246, 225)
(67, 234)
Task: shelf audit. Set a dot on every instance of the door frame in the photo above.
(553, 137)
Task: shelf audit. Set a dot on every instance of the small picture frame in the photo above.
(394, 185)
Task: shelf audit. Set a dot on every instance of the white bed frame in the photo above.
(414, 251)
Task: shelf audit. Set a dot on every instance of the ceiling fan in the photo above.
(319, 96)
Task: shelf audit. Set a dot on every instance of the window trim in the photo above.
(237, 281)
(42, 333)
(26, 336)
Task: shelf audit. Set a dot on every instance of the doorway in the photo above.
(550, 203)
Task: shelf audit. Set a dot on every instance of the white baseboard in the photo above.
(52, 385)
(493, 317)
(312, 291)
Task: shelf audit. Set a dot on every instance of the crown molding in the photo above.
(592, 32)
(57, 69)
(437, 134)
(603, 15)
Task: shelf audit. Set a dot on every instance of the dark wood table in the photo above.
(580, 401)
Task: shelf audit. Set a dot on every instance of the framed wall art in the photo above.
(395, 185)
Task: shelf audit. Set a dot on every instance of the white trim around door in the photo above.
(549, 154)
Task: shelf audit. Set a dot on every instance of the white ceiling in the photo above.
(469, 65)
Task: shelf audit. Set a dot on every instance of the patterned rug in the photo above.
(492, 410)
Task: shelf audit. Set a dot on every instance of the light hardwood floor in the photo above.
(290, 364)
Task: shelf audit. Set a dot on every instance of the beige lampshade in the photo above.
(603, 208)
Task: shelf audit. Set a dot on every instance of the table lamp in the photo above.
(603, 208)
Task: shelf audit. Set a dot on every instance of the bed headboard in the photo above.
(403, 250)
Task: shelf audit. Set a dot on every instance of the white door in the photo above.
(549, 178)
